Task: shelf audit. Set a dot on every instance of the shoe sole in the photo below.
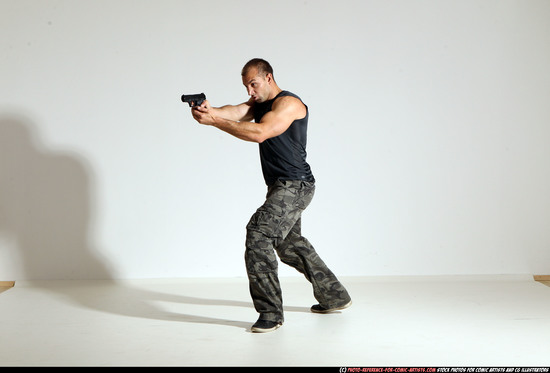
(347, 305)
(261, 330)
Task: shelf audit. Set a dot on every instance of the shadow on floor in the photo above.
(48, 204)
(128, 300)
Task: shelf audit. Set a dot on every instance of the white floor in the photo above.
(469, 321)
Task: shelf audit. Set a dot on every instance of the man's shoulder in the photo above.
(284, 93)
(288, 98)
(292, 105)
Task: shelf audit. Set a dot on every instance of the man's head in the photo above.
(258, 79)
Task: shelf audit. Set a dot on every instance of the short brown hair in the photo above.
(262, 65)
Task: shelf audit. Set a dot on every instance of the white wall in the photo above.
(429, 135)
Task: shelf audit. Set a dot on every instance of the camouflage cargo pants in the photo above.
(276, 227)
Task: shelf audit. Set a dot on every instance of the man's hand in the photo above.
(203, 113)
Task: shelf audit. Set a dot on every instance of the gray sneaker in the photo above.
(320, 309)
(264, 326)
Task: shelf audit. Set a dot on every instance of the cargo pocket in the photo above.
(262, 236)
(266, 223)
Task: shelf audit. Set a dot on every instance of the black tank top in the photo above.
(284, 157)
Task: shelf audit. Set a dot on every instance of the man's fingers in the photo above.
(201, 109)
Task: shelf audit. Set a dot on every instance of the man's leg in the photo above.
(261, 266)
(297, 252)
(267, 228)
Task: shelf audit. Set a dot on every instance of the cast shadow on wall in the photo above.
(45, 207)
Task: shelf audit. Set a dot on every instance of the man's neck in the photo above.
(276, 90)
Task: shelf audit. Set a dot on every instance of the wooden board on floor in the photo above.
(5, 285)
(543, 279)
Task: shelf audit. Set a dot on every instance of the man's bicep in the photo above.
(274, 124)
(282, 115)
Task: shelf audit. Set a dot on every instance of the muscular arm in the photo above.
(285, 110)
(237, 113)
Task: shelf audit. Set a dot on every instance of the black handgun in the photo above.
(194, 100)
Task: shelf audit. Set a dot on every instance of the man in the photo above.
(280, 128)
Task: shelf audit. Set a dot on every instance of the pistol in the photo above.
(194, 100)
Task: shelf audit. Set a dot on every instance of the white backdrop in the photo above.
(429, 135)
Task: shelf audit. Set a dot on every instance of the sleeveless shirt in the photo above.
(284, 157)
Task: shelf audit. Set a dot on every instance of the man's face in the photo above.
(257, 85)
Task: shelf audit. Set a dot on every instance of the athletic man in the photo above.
(280, 128)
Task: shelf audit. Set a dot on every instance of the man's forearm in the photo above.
(237, 113)
(229, 112)
(247, 131)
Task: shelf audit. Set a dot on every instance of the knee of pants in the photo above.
(260, 260)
